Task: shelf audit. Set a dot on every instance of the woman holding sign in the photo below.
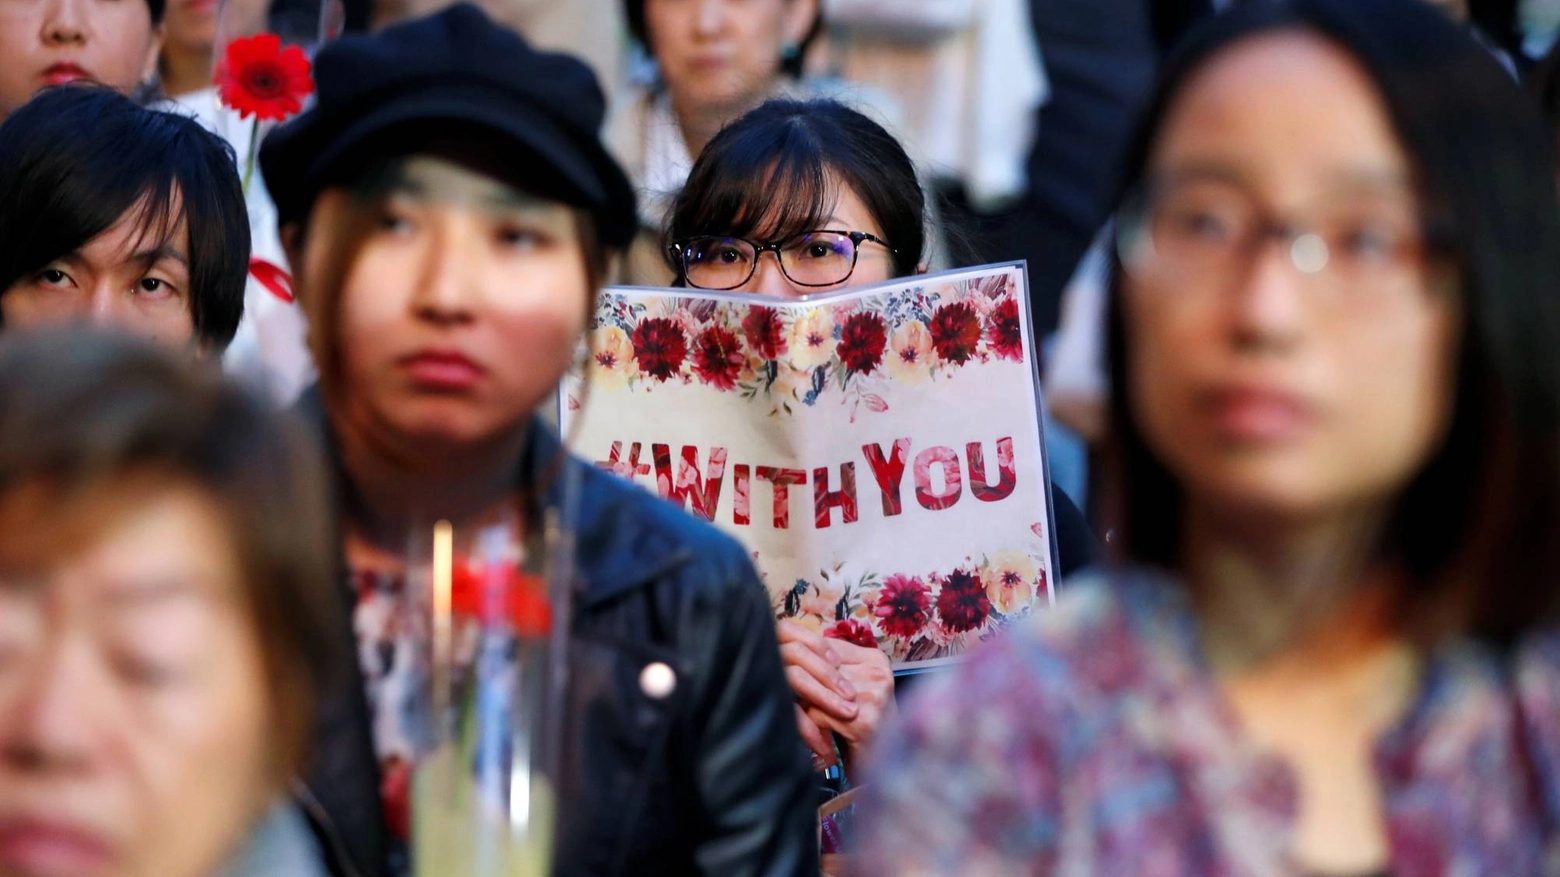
(451, 211)
(835, 199)
(1331, 648)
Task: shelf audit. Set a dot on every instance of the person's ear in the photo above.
(153, 52)
(799, 18)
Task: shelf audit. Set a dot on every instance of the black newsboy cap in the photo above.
(459, 68)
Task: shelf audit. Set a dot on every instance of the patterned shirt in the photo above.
(1094, 741)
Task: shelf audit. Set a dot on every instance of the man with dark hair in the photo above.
(121, 216)
(53, 42)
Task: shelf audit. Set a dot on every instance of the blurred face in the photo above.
(52, 42)
(190, 26)
(133, 719)
(1291, 345)
(808, 257)
(463, 310)
(720, 55)
(122, 279)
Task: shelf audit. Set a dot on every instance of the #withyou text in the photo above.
(700, 491)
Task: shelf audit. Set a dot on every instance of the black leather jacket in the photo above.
(712, 779)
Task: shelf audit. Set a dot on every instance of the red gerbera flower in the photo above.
(1003, 331)
(955, 332)
(259, 78)
(765, 332)
(862, 342)
(660, 347)
(962, 604)
(903, 606)
(852, 631)
(717, 358)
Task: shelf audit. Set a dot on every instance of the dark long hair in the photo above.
(775, 172)
(74, 160)
(1478, 528)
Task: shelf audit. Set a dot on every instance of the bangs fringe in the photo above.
(800, 192)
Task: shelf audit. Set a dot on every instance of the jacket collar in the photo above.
(616, 549)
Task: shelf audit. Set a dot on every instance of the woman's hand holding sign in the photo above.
(840, 688)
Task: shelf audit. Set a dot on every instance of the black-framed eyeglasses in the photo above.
(813, 258)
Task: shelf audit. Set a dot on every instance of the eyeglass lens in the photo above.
(1210, 228)
(810, 259)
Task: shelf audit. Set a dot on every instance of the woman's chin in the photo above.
(454, 427)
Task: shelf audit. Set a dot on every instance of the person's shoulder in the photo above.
(1105, 610)
(623, 131)
(1536, 665)
(661, 526)
(1108, 631)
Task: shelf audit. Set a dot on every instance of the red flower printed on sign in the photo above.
(259, 78)
(862, 342)
(765, 332)
(852, 631)
(1003, 331)
(660, 347)
(955, 332)
(717, 358)
(904, 606)
(962, 603)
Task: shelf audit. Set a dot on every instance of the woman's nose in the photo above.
(768, 279)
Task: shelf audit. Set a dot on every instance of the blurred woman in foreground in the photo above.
(1338, 415)
(166, 615)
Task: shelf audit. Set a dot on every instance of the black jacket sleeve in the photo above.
(752, 773)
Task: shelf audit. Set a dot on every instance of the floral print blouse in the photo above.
(1093, 741)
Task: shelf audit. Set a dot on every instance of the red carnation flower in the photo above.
(962, 604)
(904, 606)
(660, 347)
(852, 631)
(765, 332)
(522, 600)
(862, 342)
(717, 358)
(257, 77)
(955, 332)
(1003, 331)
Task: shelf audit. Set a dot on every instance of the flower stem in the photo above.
(254, 147)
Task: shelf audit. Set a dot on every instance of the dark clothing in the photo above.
(1100, 57)
(711, 779)
(1076, 547)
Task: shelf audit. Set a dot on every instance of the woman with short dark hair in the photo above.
(122, 216)
(783, 169)
(1331, 646)
(808, 177)
(167, 614)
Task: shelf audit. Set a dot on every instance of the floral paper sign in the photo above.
(877, 449)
